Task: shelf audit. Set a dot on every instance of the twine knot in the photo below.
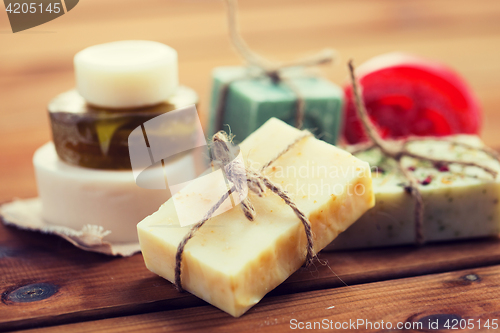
(274, 75)
(236, 173)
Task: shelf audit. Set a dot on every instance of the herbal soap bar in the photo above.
(250, 102)
(459, 202)
(232, 262)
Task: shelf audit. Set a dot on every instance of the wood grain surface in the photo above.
(37, 64)
(461, 295)
(88, 292)
(91, 285)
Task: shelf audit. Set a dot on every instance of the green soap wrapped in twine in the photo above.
(262, 67)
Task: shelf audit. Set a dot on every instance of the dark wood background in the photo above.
(94, 292)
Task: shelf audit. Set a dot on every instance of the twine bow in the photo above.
(265, 67)
(237, 174)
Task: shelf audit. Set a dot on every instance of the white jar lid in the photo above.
(126, 74)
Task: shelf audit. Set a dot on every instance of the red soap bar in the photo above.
(407, 95)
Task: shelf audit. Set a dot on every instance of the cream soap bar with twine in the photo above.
(232, 262)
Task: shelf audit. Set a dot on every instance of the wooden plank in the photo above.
(91, 286)
(469, 296)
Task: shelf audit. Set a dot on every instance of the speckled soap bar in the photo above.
(250, 102)
(460, 202)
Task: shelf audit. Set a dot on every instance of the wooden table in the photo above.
(48, 285)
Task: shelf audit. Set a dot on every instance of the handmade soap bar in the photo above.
(459, 202)
(126, 74)
(232, 262)
(74, 196)
(250, 102)
(94, 137)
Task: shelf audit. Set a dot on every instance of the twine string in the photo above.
(397, 150)
(238, 174)
(265, 67)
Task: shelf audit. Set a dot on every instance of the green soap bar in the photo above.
(250, 102)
